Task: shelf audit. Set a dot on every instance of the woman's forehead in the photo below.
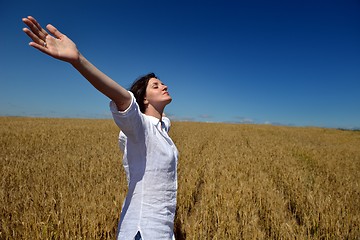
(154, 81)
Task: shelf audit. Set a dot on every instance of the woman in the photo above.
(150, 156)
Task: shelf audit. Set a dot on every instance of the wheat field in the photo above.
(63, 179)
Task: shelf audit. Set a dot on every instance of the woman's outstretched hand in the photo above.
(56, 45)
(61, 47)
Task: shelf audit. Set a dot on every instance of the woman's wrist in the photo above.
(79, 61)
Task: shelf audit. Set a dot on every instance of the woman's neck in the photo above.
(151, 111)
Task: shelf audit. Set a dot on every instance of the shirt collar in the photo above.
(160, 125)
(153, 120)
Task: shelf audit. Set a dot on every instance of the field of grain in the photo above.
(63, 179)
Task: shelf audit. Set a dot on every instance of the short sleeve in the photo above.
(130, 121)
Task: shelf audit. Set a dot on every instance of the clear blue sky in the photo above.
(280, 62)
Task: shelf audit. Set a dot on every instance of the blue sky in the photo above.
(276, 62)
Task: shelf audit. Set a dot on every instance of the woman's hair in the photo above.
(138, 88)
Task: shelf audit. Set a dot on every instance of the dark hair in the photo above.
(138, 88)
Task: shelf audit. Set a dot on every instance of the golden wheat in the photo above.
(63, 179)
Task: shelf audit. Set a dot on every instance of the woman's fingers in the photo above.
(36, 23)
(52, 42)
(37, 33)
(36, 29)
(36, 43)
(53, 30)
(34, 37)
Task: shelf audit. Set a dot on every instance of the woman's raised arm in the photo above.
(59, 46)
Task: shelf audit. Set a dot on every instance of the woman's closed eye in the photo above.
(156, 85)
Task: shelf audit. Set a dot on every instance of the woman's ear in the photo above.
(146, 101)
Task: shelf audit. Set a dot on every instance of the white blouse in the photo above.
(150, 162)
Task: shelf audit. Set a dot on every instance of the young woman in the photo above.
(150, 156)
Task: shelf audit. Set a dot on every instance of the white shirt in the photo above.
(150, 162)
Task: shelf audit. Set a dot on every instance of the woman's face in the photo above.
(156, 93)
